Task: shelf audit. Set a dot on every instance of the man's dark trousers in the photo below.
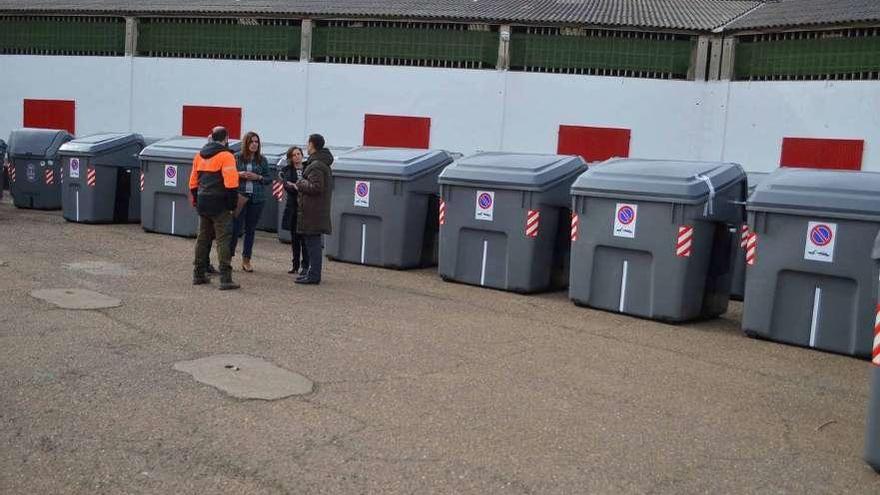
(216, 228)
(314, 244)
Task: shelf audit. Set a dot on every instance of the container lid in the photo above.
(830, 193)
(36, 143)
(527, 171)
(755, 178)
(100, 143)
(657, 180)
(389, 163)
(274, 152)
(180, 148)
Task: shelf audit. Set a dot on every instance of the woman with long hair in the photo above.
(253, 174)
(289, 175)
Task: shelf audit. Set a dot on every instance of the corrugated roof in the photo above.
(690, 15)
(802, 13)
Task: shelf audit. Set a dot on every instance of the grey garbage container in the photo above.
(653, 237)
(740, 238)
(4, 182)
(385, 207)
(504, 220)
(811, 280)
(269, 216)
(34, 170)
(102, 178)
(872, 431)
(284, 234)
(165, 201)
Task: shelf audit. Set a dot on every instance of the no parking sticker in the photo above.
(362, 193)
(821, 238)
(485, 208)
(74, 168)
(171, 175)
(625, 218)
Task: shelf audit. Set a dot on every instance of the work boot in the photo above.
(211, 270)
(226, 282)
(200, 278)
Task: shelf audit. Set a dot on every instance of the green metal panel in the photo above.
(219, 38)
(619, 52)
(405, 45)
(807, 57)
(62, 35)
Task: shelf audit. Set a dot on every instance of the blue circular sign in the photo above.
(485, 201)
(362, 189)
(821, 235)
(626, 215)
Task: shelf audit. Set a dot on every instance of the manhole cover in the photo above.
(76, 298)
(100, 268)
(246, 377)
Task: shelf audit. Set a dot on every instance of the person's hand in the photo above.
(290, 184)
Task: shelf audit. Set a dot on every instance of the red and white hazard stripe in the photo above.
(876, 353)
(575, 220)
(49, 176)
(142, 181)
(278, 190)
(91, 177)
(533, 219)
(10, 169)
(743, 236)
(752, 249)
(684, 243)
(442, 212)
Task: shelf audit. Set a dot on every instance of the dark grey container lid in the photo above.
(180, 148)
(526, 171)
(389, 163)
(100, 143)
(755, 178)
(36, 143)
(829, 193)
(657, 180)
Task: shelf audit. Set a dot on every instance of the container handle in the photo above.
(709, 209)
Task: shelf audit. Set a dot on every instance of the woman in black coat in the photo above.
(289, 175)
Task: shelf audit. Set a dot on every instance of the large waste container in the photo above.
(741, 235)
(102, 178)
(34, 170)
(385, 207)
(165, 201)
(504, 220)
(652, 237)
(274, 154)
(810, 278)
(283, 234)
(3, 180)
(872, 431)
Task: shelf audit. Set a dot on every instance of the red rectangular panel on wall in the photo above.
(198, 121)
(845, 154)
(50, 114)
(593, 143)
(397, 131)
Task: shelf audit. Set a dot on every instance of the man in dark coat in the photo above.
(315, 191)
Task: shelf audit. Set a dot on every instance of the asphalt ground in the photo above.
(421, 386)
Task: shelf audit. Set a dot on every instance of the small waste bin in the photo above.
(385, 206)
(34, 171)
(810, 278)
(872, 432)
(504, 220)
(278, 190)
(165, 198)
(102, 178)
(269, 216)
(741, 236)
(652, 237)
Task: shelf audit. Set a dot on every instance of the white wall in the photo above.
(469, 109)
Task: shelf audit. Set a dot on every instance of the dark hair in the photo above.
(289, 154)
(317, 141)
(246, 155)
(219, 134)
